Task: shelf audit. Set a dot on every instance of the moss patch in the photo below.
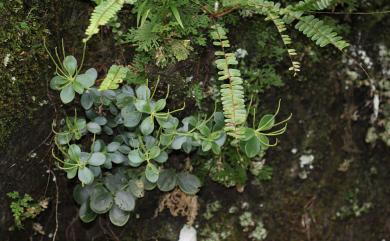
(21, 63)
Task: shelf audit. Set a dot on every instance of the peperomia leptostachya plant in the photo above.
(122, 145)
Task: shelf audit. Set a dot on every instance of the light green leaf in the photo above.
(266, 122)
(87, 80)
(67, 94)
(94, 128)
(101, 200)
(97, 159)
(143, 92)
(74, 152)
(57, 82)
(135, 158)
(178, 142)
(125, 200)
(86, 101)
(151, 172)
(113, 146)
(136, 187)
(70, 64)
(162, 157)
(147, 126)
(115, 76)
(85, 175)
(154, 152)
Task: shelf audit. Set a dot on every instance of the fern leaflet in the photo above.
(101, 15)
(232, 93)
(115, 76)
(319, 32)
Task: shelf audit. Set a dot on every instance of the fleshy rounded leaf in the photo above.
(86, 214)
(70, 64)
(151, 172)
(67, 94)
(118, 217)
(147, 126)
(167, 180)
(135, 158)
(94, 128)
(101, 200)
(188, 183)
(125, 200)
(97, 159)
(85, 175)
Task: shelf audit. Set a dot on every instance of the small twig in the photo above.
(56, 208)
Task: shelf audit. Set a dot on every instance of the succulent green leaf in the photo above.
(70, 64)
(162, 157)
(67, 94)
(86, 101)
(94, 128)
(85, 175)
(125, 200)
(135, 158)
(57, 82)
(147, 126)
(101, 200)
(266, 122)
(252, 147)
(86, 214)
(143, 92)
(136, 187)
(188, 183)
(118, 217)
(97, 159)
(151, 172)
(167, 180)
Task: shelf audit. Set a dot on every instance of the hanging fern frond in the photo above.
(115, 76)
(281, 26)
(312, 5)
(101, 15)
(232, 90)
(319, 32)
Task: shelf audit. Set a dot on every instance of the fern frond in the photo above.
(312, 5)
(232, 91)
(319, 32)
(101, 15)
(281, 27)
(115, 76)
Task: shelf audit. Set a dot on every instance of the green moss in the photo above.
(21, 55)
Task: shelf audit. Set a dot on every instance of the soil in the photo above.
(291, 208)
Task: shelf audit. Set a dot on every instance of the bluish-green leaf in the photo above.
(97, 159)
(86, 214)
(101, 200)
(167, 180)
(94, 127)
(147, 126)
(143, 92)
(85, 175)
(67, 94)
(188, 183)
(151, 172)
(125, 200)
(70, 64)
(118, 217)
